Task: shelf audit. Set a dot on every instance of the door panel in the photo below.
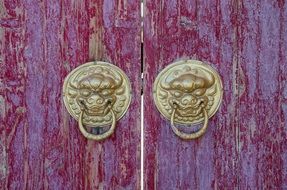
(262, 95)
(41, 145)
(244, 146)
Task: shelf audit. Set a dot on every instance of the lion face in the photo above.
(95, 89)
(188, 93)
(189, 89)
(96, 92)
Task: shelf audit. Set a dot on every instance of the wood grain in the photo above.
(203, 30)
(262, 95)
(245, 145)
(41, 42)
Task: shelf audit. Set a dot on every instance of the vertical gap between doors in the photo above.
(142, 99)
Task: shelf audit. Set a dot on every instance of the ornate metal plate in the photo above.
(190, 85)
(95, 85)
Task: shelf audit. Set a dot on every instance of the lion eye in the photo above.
(85, 93)
(199, 92)
(106, 92)
(177, 94)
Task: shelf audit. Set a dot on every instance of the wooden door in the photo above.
(41, 146)
(245, 146)
(42, 41)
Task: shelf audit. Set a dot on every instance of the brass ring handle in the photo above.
(187, 136)
(188, 92)
(97, 94)
(100, 136)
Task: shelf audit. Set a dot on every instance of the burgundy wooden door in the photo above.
(41, 146)
(245, 146)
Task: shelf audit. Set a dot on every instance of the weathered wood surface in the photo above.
(40, 144)
(245, 145)
(262, 93)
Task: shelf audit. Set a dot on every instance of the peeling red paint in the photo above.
(40, 144)
(245, 145)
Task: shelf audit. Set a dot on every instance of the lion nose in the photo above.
(95, 99)
(188, 99)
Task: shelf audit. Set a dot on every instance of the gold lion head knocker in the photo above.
(97, 94)
(188, 92)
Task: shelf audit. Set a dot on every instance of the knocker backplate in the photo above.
(190, 84)
(95, 85)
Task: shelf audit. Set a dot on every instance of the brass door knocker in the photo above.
(97, 94)
(188, 92)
